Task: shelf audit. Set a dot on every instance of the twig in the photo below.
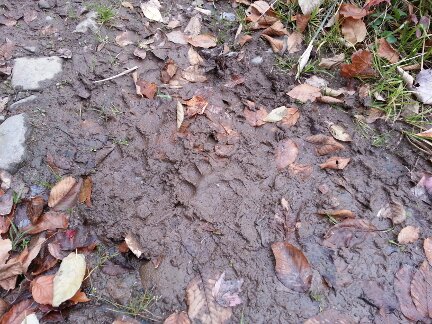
(117, 75)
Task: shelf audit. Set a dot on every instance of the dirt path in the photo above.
(207, 197)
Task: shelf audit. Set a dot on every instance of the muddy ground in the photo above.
(200, 200)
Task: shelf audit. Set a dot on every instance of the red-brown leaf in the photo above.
(79, 297)
(386, 51)
(35, 208)
(335, 163)
(372, 3)
(49, 221)
(292, 267)
(349, 10)
(255, 118)
(349, 233)
(339, 214)
(42, 289)
(86, 191)
(421, 289)
(360, 66)
(286, 153)
(326, 144)
(178, 318)
(18, 312)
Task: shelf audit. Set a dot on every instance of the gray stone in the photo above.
(46, 4)
(22, 101)
(30, 73)
(13, 135)
(88, 23)
(257, 60)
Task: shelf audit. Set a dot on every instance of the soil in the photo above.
(201, 198)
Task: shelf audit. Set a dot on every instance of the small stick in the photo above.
(117, 75)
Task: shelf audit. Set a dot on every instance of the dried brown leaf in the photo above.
(331, 62)
(409, 234)
(255, 117)
(202, 305)
(168, 71)
(304, 171)
(64, 195)
(385, 50)
(134, 245)
(178, 318)
(18, 312)
(79, 297)
(86, 191)
(305, 92)
(35, 208)
(177, 37)
(292, 267)
(286, 153)
(5, 247)
(421, 289)
(331, 316)
(49, 221)
(277, 45)
(194, 57)
(291, 117)
(338, 214)
(427, 246)
(360, 66)
(339, 133)
(335, 163)
(348, 233)
(294, 42)
(394, 211)
(225, 292)
(349, 10)
(327, 144)
(42, 289)
(302, 22)
(194, 74)
(277, 29)
(126, 38)
(144, 88)
(203, 41)
(196, 105)
(354, 30)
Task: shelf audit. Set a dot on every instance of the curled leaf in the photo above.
(327, 144)
(335, 163)
(292, 267)
(180, 114)
(64, 195)
(339, 214)
(339, 133)
(276, 114)
(203, 41)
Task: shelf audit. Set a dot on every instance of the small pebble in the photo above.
(257, 60)
(228, 16)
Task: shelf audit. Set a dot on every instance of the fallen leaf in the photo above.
(426, 134)
(151, 9)
(331, 62)
(304, 171)
(128, 5)
(35, 208)
(261, 15)
(277, 29)
(317, 82)
(194, 74)
(360, 66)
(194, 57)
(33, 251)
(354, 30)
(235, 80)
(202, 305)
(277, 45)
(302, 22)
(409, 234)
(79, 238)
(292, 267)
(42, 289)
(243, 39)
(348, 233)
(421, 289)
(203, 41)
(49, 221)
(225, 292)
(394, 211)
(335, 163)
(307, 6)
(331, 316)
(423, 189)
(134, 245)
(144, 88)
(291, 117)
(256, 117)
(372, 3)
(193, 28)
(305, 92)
(5, 247)
(68, 278)
(196, 105)
(168, 71)
(86, 191)
(286, 153)
(402, 288)
(294, 42)
(177, 37)
(385, 50)
(339, 133)
(338, 214)
(138, 52)
(6, 203)
(276, 115)
(180, 114)
(330, 100)
(348, 10)
(6, 49)
(178, 318)
(64, 195)
(423, 86)
(18, 312)
(126, 38)
(79, 297)
(327, 144)
(427, 246)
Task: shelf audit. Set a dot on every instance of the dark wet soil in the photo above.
(190, 202)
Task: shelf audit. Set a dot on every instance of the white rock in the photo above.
(13, 135)
(88, 23)
(29, 73)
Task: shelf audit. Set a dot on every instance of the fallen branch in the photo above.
(117, 75)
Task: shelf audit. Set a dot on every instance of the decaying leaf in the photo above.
(305, 92)
(194, 57)
(348, 10)
(307, 6)
(421, 289)
(303, 171)
(64, 195)
(427, 246)
(86, 191)
(331, 62)
(68, 278)
(5, 247)
(255, 117)
(177, 37)
(144, 88)
(79, 297)
(151, 9)
(202, 306)
(18, 312)
(42, 289)
(409, 234)
(423, 189)
(294, 42)
(194, 73)
(276, 115)
(354, 30)
(178, 318)
(291, 117)
(394, 211)
(180, 114)
(126, 38)
(338, 214)
(35, 208)
(302, 22)
(372, 3)
(360, 66)
(168, 71)
(331, 316)
(327, 144)
(286, 153)
(277, 29)
(276, 44)
(203, 41)
(196, 105)
(49, 221)
(348, 233)
(402, 288)
(292, 267)
(225, 292)
(339, 133)
(335, 163)
(134, 245)
(385, 50)
(261, 15)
